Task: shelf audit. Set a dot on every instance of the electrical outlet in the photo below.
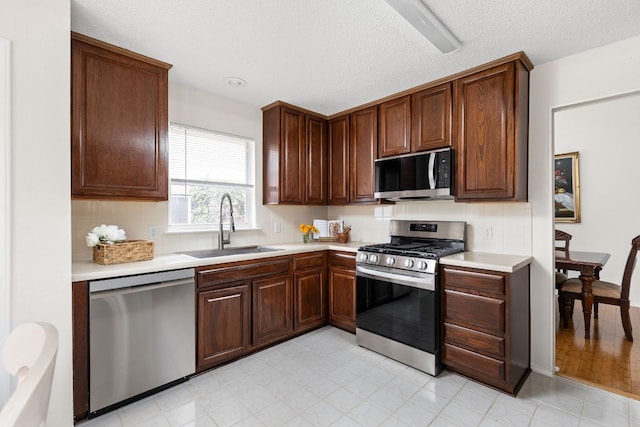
(153, 232)
(487, 233)
(276, 227)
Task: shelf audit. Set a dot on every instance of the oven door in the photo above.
(404, 308)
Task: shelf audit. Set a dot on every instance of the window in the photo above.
(203, 165)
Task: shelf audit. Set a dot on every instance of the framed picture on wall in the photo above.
(567, 187)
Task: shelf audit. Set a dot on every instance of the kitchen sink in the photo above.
(240, 250)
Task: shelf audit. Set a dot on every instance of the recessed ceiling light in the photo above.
(235, 81)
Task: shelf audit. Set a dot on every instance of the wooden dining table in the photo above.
(586, 263)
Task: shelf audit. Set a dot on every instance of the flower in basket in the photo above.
(306, 230)
(108, 234)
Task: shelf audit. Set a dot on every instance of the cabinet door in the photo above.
(316, 161)
(338, 179)
(486, 150)
(363, 129)
(119, 123)
(342, 298)
(431, 111)
(292, 156)
(224, 324)
(310, 308)
(394, 132)
(272, 301)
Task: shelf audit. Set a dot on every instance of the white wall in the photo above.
(40, 178)
(609, 70)
(605, 132)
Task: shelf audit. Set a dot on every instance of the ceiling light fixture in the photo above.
(419, 15)
(236, 82)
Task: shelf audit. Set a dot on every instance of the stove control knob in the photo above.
(373, 258)
(363, 256)
(391, 260)
(408, 263)
(422, 265)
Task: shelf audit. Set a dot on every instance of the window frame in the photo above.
(250, 186)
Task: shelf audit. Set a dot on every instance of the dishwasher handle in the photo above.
(140, 288)
(140, 279)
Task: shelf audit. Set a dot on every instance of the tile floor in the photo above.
(324, 379)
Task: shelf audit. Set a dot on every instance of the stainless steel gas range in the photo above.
(398, 291)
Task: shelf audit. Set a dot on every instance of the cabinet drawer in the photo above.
(474, 340)
(342, 259)
(474, 280)
(473, 364)
(226, 273)
(475, 311)
(307, 261)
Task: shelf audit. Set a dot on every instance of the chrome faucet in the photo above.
(232, 227)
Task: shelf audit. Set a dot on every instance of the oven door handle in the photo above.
(426, 283)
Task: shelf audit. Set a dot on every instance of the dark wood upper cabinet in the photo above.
(431, 111)
(491, 110)
(394, 127)
(363, 143)
(338, 169)
(119, 122)
(316, 161)
(294, 156)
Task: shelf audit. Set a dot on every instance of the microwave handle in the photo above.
(432, 175)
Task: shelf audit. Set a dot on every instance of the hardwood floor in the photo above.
(607, 360)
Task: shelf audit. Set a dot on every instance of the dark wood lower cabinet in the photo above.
(80, 321)
(342, 290)
(224, 324)
(309, 291)
(243, 307)
(272, 303)
(486, 330)
(310, 299)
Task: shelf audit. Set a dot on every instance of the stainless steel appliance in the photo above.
(424, 175)
(398, 291)
(142, 336)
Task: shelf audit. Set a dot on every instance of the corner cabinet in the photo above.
(119, 123)
(486, 325)
(294, 156)
(491, 116)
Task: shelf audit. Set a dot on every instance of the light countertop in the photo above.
(88, 270)
(487, 261)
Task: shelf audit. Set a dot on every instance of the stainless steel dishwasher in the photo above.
(142, 336)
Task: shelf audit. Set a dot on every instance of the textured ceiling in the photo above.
(332, 55)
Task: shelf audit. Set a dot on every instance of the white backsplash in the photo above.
(510, 223)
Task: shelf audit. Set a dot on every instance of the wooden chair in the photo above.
(30, 356)
(562, 244)
(605, 292)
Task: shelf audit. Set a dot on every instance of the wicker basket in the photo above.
(127, 251)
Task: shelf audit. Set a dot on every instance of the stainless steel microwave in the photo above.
(424, 175)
